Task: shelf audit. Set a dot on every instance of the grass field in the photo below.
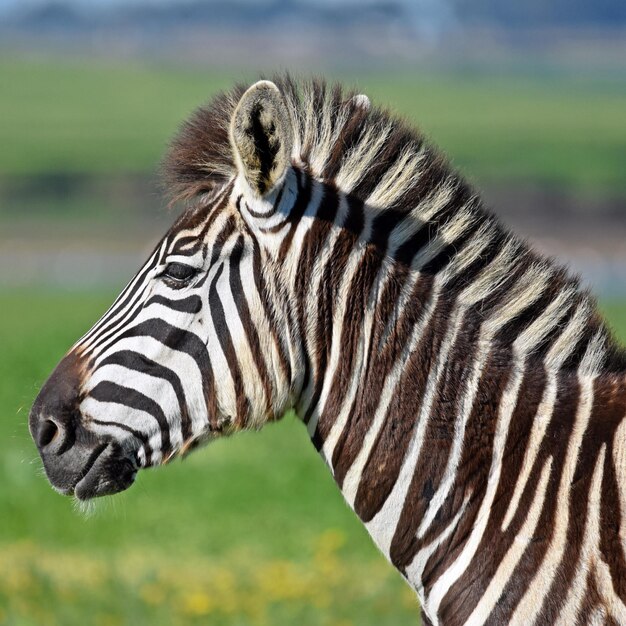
(547, 129)
(250, 531)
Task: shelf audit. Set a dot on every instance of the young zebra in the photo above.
(463, 390)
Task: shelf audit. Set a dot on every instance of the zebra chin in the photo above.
(102, 471)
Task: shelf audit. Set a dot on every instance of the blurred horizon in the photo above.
(320, 35)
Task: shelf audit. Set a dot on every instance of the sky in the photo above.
(11, 4)
(429, 11)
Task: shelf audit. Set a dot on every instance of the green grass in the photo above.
(554, 130)
(251, 530)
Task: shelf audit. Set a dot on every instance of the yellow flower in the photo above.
(331, 540)
(197, 603)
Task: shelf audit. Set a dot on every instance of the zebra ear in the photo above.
(261, 136)
(361, 100)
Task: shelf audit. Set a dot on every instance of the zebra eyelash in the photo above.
(178, 275)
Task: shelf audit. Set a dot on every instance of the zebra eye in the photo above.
(179, 273)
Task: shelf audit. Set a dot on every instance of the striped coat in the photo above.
(463, 390)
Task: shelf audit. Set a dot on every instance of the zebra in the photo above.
(463, 389)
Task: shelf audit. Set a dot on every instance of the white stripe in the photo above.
(589, 551)
(181, 364)
(353, 476)
(459, 566)
(157, 389)
(415, 570)
(383, 526)
(557, 355)
(532, 601)
(510, 560)
(335, 354)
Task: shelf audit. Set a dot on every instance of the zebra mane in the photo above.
(364, 150)
(381, 160)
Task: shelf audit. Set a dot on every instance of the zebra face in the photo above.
(186, 353)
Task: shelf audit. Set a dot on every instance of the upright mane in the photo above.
(338, 137)
(379, 159)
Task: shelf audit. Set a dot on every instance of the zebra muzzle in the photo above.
(77, 461)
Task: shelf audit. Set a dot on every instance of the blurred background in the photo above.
(527, 98)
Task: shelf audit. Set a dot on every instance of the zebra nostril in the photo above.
(47, 433)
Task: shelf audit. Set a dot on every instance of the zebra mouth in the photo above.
(107, 474)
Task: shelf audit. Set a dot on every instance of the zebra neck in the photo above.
(473, 463)
(434, 431)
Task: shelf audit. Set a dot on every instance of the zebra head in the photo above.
(190, 349)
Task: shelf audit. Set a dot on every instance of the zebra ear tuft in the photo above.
(261, 136)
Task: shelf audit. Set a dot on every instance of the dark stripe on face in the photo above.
(135, 433)
(236, 287)
(182, 341)
(215, 212)
(271, 312)
(107, 391)
(97, 334)
(264, 215)
(221, 238)
(223, 335)
(103, 346)
(186, 246)
(139, 363)
(201, 217)
(190, 304)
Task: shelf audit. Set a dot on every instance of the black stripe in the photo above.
(448, 252)
(269, 308)
(223, 335)
(121, 302)
(189, 240)
(183, 341)
(236, 287)
(140, 363)
(107, 391)
(191, 304)
(355, 218)
(135, 433)
(305, 186)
